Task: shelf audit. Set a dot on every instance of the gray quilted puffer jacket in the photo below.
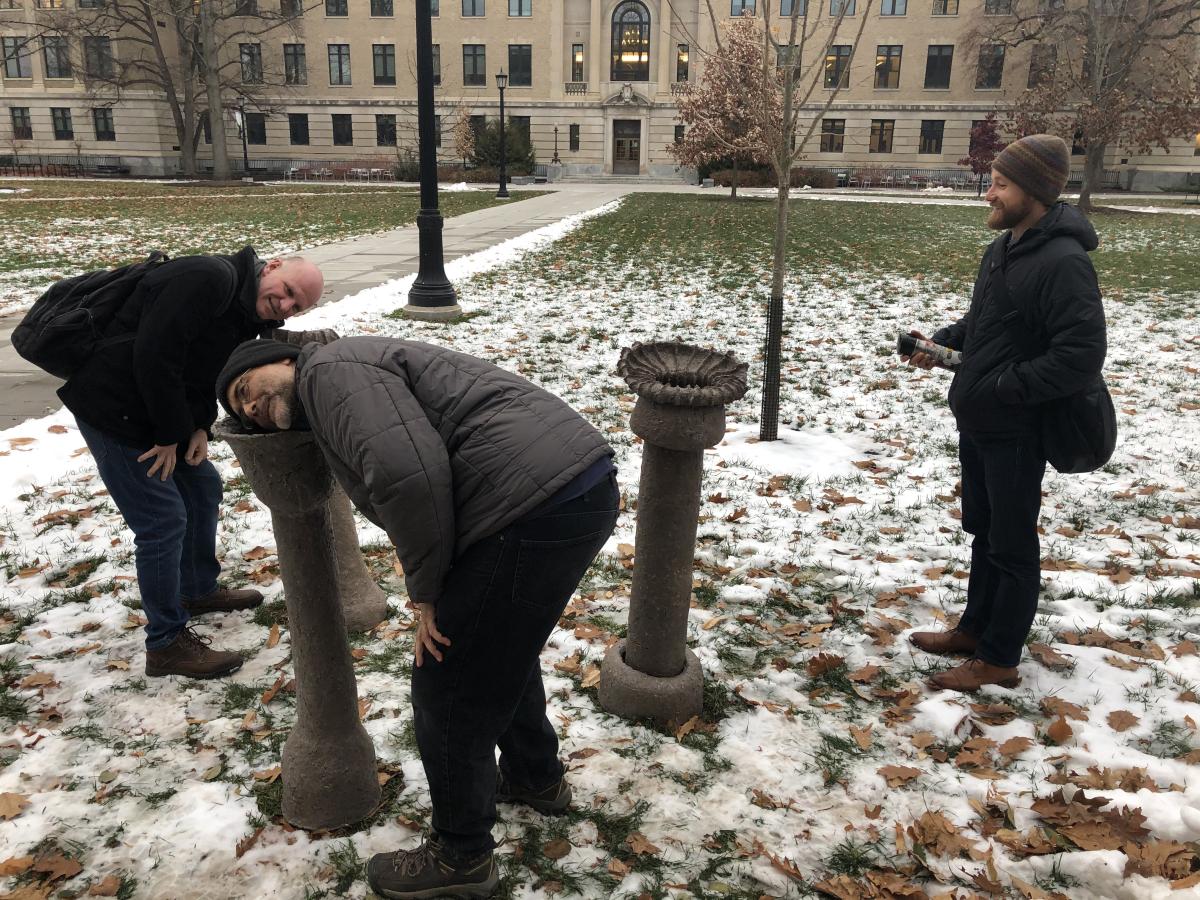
(438, 448)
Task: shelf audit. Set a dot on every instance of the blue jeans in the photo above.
(1001, 497)
(501, 600)
(174, 525)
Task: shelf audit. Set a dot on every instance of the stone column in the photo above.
(682, 392)
(329, 771)
(364, 604)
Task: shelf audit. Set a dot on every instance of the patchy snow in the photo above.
(826, 548)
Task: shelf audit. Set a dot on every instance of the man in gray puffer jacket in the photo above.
(497, 496)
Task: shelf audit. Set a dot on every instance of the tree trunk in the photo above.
(734, 183)
(212, 84)
(979, 188)
(1093, 174)
(768, 428)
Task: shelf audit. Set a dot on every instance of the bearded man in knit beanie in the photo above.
(998, 391)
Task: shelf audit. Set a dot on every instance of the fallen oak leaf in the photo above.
(896, 776)
(557, 848)
(56, 866)
(11, 805)
(15, 865)
(1121, 720)
(640, 845)
(1059, 731)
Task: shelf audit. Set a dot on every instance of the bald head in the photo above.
(287, 287)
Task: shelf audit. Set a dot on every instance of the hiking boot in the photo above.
(974, 674)
(944, 643)
(223, 600)
(428, 871)
(551, 801)
(189, 655)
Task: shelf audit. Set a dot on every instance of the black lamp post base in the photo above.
(432, 313)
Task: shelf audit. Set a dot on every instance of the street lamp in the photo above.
(431, 296)
(502, 83)
(554, 158)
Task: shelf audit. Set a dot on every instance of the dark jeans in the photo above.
(1001, 497)
(174, 525)
(501, 600)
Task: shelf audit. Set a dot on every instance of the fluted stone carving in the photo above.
(682, 391)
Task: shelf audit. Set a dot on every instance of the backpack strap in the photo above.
(1018, 330)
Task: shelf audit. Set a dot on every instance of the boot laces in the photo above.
(411, 863)
(194, 637)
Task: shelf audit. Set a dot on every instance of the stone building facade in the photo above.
(596, 78)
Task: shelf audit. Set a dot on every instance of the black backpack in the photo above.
(1079, 431)
(67, 323)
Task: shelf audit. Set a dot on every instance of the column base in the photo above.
(669, 701)
(433, 313)
(329, 781)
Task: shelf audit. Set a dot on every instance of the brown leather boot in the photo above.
(189, 655)
(224, 600)
(944, 643)
(974, 674)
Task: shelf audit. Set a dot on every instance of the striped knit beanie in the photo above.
(1039, 164)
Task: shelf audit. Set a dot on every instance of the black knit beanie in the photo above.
(251, 355)
(1039, 164)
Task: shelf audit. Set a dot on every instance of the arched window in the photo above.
(631, 42)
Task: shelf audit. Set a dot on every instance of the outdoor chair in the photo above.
(866, 183)
(887, 181)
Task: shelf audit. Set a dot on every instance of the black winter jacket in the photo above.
(153, 379)
(1052, 283)
(436, 447)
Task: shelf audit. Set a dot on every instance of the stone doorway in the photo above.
(627, 147)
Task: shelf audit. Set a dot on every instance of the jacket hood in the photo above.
(248, 267)
(1062, 220)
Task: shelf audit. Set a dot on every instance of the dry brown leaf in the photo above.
(617, 868)
(106, 887)
(640, 845)
(822, 663)
(1122, 720)
(1049, 657)
(591, 677)
(556, 849)
(862, 736)
(1056, 706)
(1015, 746)
(55, 866)
(898, 775)
(1059, 731)
(257, 553)
(36, 680)
(865, 674)
(11, 805)
(15, 865)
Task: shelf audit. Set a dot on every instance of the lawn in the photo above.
(53, 228)
(821, 764)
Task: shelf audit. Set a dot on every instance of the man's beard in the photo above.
(282, 411)
(1004, 217)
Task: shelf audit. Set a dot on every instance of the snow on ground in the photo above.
(820, 752)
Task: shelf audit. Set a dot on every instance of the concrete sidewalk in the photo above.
(349, 266)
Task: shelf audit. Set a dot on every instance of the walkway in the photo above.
(349, 266)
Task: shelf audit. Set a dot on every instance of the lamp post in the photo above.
(245, 148)
(554, 158)
(431, 296)
(502, 83)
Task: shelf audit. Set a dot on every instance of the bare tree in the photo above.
(1107, 72)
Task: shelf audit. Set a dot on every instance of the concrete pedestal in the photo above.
(329, 770)
(364, 604)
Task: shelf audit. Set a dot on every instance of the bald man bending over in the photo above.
(145, 402)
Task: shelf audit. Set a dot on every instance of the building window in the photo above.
(16, 59)
(289, 9)
(937, 66)
(1195, 152)
(61, 119)
(1078, 145)
(252, 70)
(836, 7)
(256, 128)
(435, 8)
(472, 7)
(474, 65)
(102, 119)
(521, 124)
(945, 7)
(298, 129)
(679, 130)
(295, 66)
(97, 57)
(789, 8)
(48, 4)
(83, 4)
(437, 64)
(682, 52)
(21, 123)
(58, 57)
(520, 65)
(931, 135)
(246, 8)
(738, 7)
(837, 66)
(437, 131)
(881, 135)
(893, 8)
(631, 42)
(573, 138)
(997, 7)
(520, 7)
(385, 63)
(381, 8)
(337, 7)
(206, 127)
(991, 67)
(339, 63)
(887, 65)
(385, 130)
(577, 62)
(833, 135)
(1042, 62)
(478, 123)
(343, 130)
